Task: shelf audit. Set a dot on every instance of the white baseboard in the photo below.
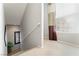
(68, 43)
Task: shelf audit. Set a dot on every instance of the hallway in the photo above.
(52, 48)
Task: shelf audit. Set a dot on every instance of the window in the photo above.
(17, 37)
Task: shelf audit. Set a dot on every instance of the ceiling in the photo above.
(14, 13)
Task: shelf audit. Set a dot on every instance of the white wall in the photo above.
(14, 12)
(51, 14)
(3, 49)
(67, 22)
(65, 9)
(51, 8)
(67, 16)
(31, 19)
(10, 35)
(46, 33)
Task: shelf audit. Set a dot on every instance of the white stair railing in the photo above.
(31, 31)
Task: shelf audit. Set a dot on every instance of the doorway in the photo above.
(51, 22)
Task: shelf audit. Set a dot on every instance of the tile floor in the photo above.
(52, 48)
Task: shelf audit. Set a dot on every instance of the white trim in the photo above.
(42, 26)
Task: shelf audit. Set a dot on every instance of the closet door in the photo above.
(52, 33)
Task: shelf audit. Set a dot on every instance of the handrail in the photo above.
(31, 31)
